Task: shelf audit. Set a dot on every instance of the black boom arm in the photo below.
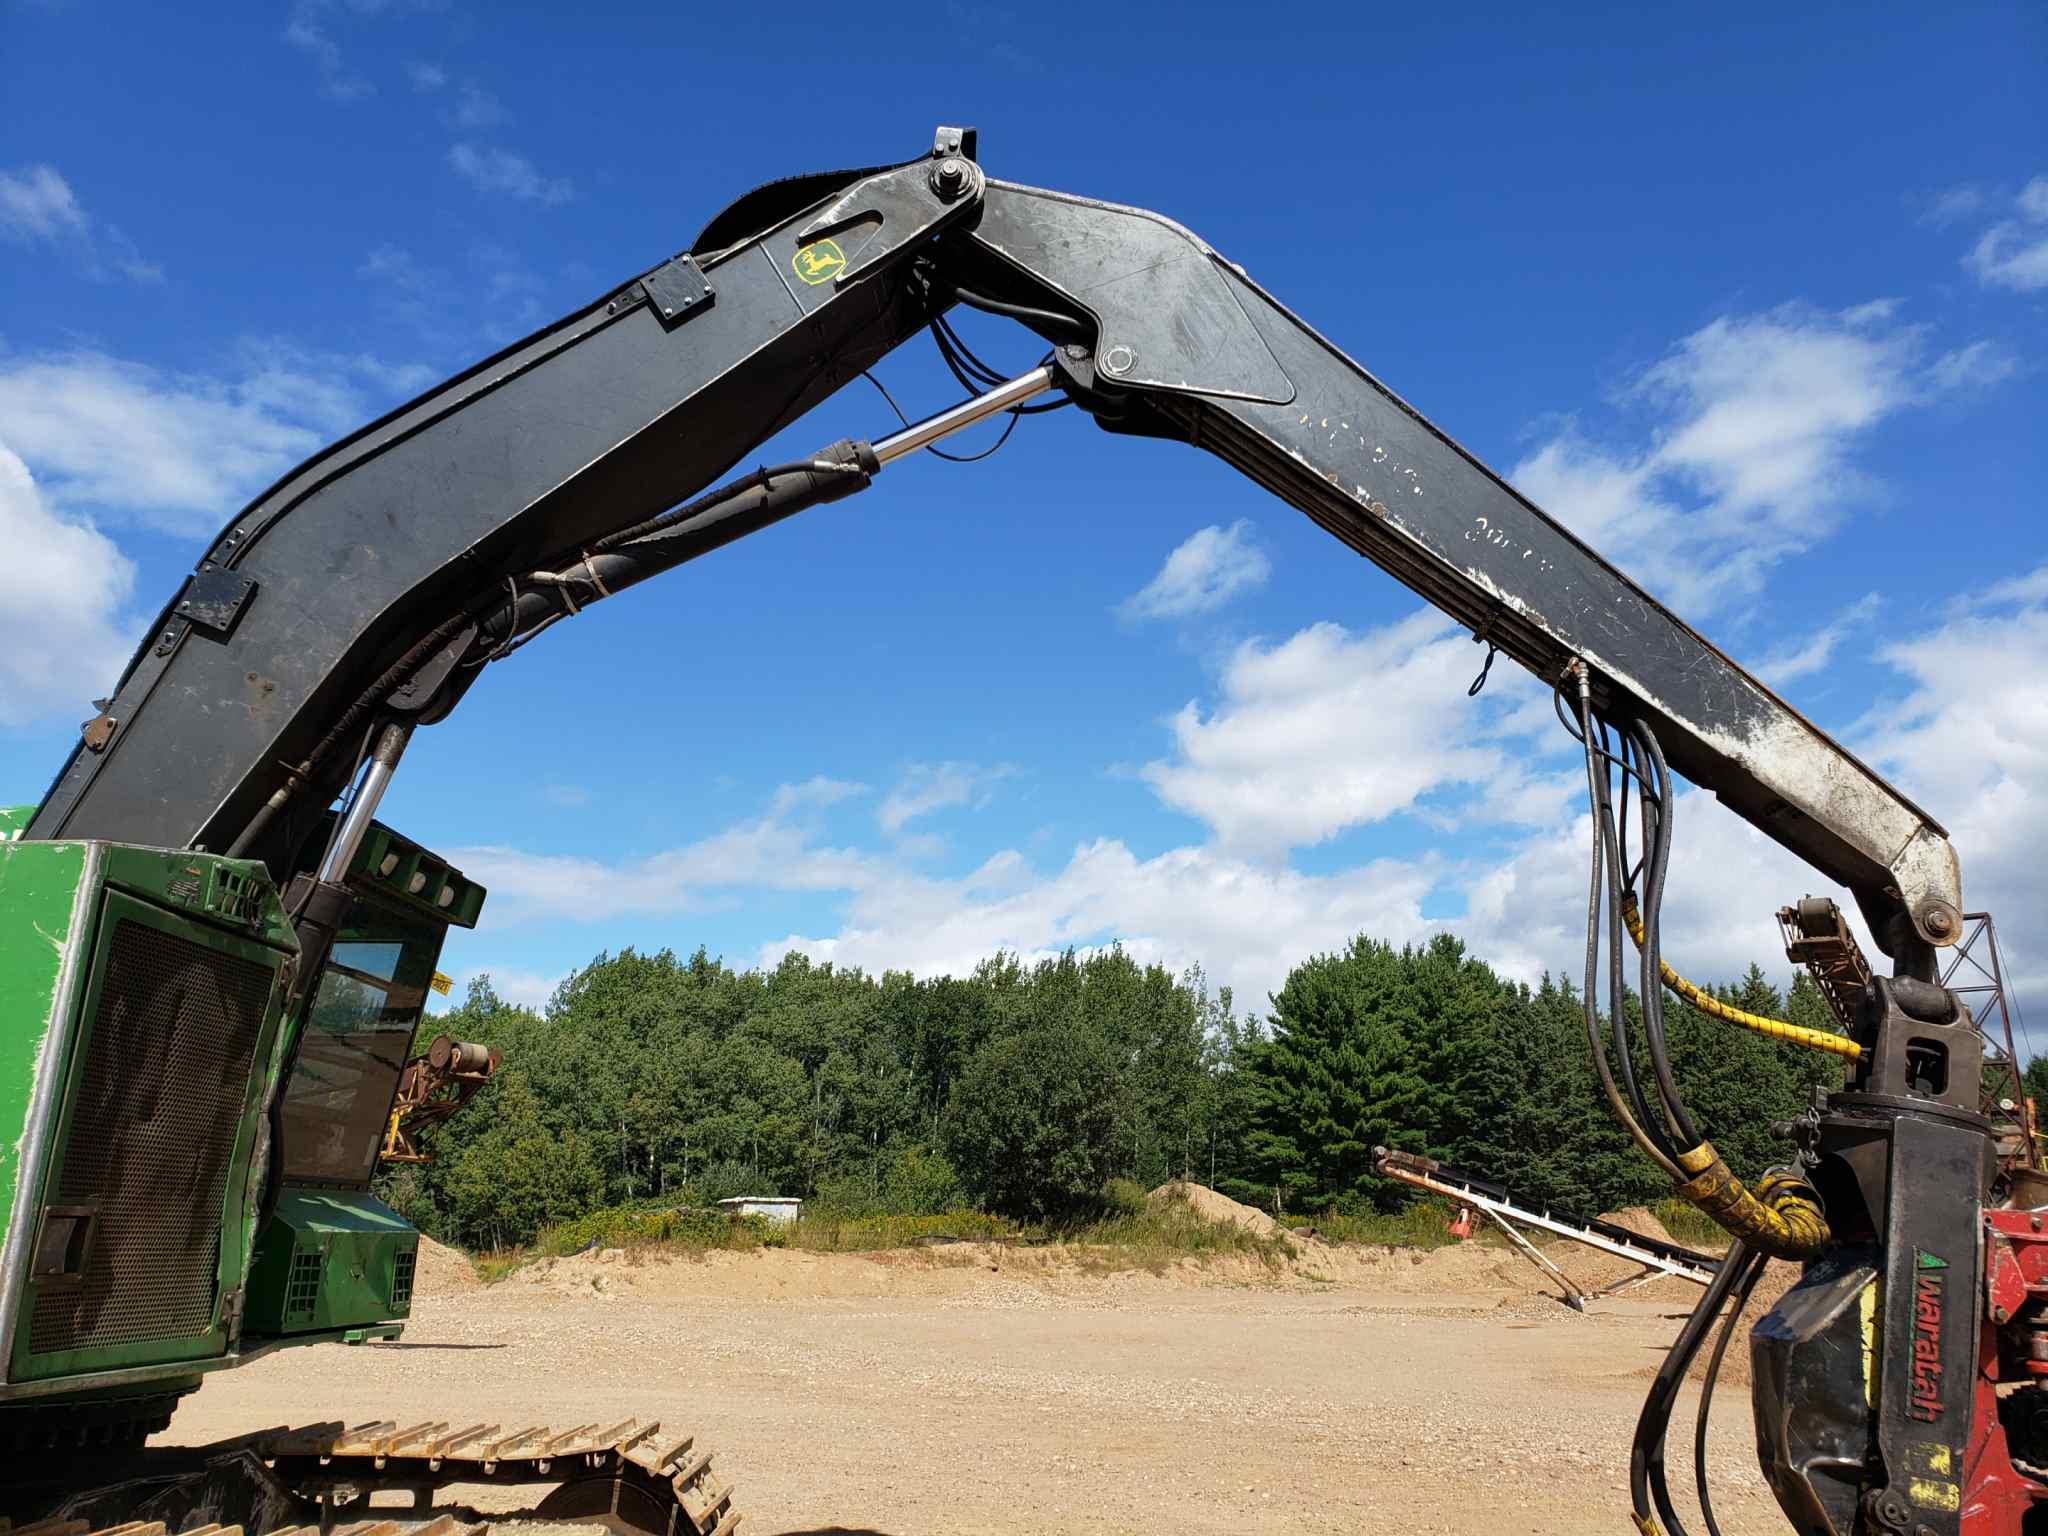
(367, 583)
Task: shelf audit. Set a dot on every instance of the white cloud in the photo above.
(491, 169)
(306, 30)
(1748, 454)
(1206, 571)
(928, 787)
(1806, 656)
(1330, 730)
(63, 584)
(1976, 366)
(1953, 205)
(426, 78)
(2028, 588)
(771, 853)
(1969, 741)
(1245, 924)
(814, 793)
(392, 264)
(37, 206)
(477, 108)
(182, 452)
(2013, 253)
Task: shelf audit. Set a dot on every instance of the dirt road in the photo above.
(989, 1392)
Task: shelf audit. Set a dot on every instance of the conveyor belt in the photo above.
(1499, 1203)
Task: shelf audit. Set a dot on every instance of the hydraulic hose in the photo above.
(1604, 836)
(1706, 1409)
(1646, 1452)
(1782, 1219)
(1707, 1003)
(1595, 1038)
(1655, 795)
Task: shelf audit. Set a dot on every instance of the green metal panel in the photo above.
(39, 891)
(331, 1259)
(61, 904)
(127, 1340)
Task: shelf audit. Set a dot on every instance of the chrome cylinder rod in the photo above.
(924, 433)
(349, 836)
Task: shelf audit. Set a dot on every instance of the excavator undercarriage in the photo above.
(628, 1476)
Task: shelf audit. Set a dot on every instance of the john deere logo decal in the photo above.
(819, 262)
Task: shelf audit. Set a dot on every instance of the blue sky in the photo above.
(1756, 302)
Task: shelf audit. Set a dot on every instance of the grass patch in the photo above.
(1157, 1234)
(1688, 1226)
(685, 1229)
(1130, 1231)
(495, 1266)
(837, 1232)
(1425, 1224)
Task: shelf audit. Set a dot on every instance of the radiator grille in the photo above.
(161, 1085)
(302, 1288)
(401, 1280)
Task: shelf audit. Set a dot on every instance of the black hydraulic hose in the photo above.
(1596, 1039)
(712, 501)
(1071, 327)
(1617, 983)
(1646, 1479)
(1699, 1433)
(616, 562)
(975, 376)
(1656, 808)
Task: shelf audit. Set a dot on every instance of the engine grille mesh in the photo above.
(161, 1086)
(401, 1280)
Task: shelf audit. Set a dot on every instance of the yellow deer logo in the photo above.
(819, 262)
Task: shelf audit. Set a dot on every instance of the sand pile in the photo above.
(1641, 1220)
(1592, 1269)
(1210, 1206)
(1776, 1280)
(442, 1270)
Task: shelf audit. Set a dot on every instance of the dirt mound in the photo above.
(1775, 1281)
(1641, 1220)
(1210, 1206)
(442, 1270)
(1592, 1269)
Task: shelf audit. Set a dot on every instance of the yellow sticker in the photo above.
(441, 983)
(1930, 1456)
(819, 262)
(1930, 1493)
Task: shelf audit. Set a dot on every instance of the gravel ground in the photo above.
(975, 1400)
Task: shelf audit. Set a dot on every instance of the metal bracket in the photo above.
(98, 731)
(955, 141)
(214, 599)
(421, 689)
(890, 213)
(677, 291)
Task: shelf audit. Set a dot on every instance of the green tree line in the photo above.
(1024, 1089)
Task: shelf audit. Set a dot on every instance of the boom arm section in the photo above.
(361, 565)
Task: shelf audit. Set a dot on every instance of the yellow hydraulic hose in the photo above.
(1707, 1003)
(1783, 1218)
